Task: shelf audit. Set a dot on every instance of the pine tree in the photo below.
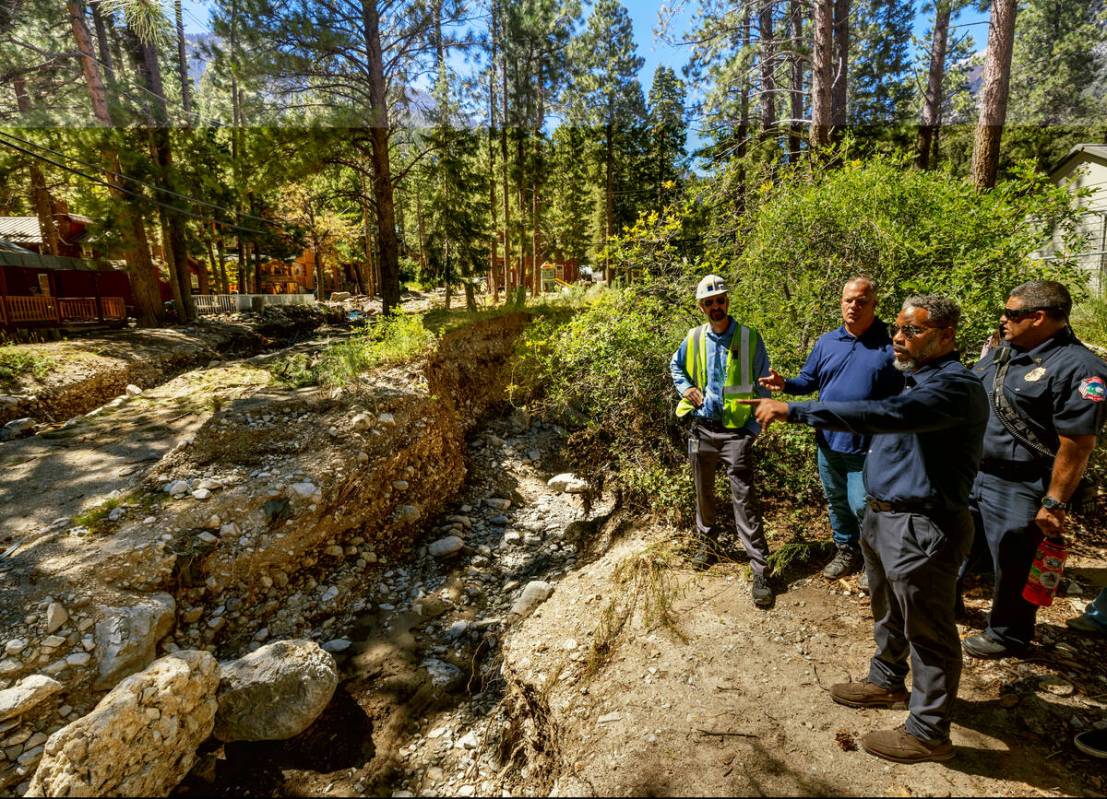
(880, 80)
(1057, 62)
(668, 130)
(994, 93)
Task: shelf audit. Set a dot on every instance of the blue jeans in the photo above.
(1097, 611)
(844, 486)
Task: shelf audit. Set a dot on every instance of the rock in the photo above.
(442, 674)
(457, 629)
(210, 485)
(386, 418)
(1058, 686)
(499, 520)
(361, 422)
(26, 694)
(468, 741)
(304, 490)
(275, 692)
(115, 514)
(177, 487)
(498, 503)
(10, 666)
(444, 547)
(340, 296)
(207, 537)
(567, 483)
(133, 390)
(53, 641)
(141, 739)
(15, 646)
(610, 718)
(400, 485)
(127, 638)
(201, 494)
(78, 659)
(534, 594)
(329, 594)
(337, 645)
(409, 513)
(18, 428)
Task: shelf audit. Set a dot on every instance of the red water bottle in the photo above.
(1045, 573)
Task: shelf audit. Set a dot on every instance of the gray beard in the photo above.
(905, 366)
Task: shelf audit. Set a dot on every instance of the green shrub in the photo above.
(911, 231)
(18, 363)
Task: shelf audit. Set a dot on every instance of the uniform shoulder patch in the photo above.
(1093, 388)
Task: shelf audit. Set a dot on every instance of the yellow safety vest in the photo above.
(739, 385)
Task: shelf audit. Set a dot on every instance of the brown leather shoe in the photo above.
(867, 694)
(900, 746)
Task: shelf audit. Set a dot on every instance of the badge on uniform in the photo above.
(1093, 388)
(1034, 375)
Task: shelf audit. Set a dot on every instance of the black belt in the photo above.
(905, 506)
(1016, 471)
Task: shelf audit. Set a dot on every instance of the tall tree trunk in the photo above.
(508, 283)
(744, 110)
(39, 193)
(993, 94)
(768, 64)
(136, 252)
(536, 177)
(220, 250)
(182, 62)
(932, 101)
(492, 243)
(382, 168)
(103, 44)
(608, 190)
(840, 86)
(822, 73)
(795, 128)
(363, 196)
(146, 56)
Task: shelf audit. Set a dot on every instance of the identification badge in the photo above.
(1034, 375)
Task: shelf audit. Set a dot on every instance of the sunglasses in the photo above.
(711, 301)
(1018, 314)
(910, 331)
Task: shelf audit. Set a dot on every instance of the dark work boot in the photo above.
(761, 591)
(846, 561)
(704, 552)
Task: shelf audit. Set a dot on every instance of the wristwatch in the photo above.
(1049, 503)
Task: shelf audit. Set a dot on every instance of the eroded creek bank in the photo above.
(284, 516)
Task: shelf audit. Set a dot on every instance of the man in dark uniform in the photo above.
(925, 452)
(1040, 434)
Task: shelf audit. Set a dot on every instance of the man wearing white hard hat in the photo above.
(716, 365)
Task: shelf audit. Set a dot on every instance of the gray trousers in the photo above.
(912, 561)
(708, 445)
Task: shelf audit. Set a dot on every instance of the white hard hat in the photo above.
(710, 286)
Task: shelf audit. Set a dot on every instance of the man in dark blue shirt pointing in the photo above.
(926, 448)
(853, 362)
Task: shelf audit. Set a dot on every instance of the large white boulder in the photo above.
(274, 692)
(141, 739)
(25, 694)
(567, 483)
(127, 638)
(534, 594)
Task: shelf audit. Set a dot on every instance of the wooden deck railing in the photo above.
(60, 310)
(32, 309)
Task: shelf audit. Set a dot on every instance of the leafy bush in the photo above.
(389, 339)
(17, 363)
(912, 231)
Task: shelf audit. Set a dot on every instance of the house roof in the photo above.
(11, 254)
(25, 229)
(1096, 152)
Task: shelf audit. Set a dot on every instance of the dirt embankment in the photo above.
(264, 525)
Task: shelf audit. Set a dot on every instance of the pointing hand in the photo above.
(767, 411)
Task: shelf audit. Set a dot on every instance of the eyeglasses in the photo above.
(708, 302)
(1018, 314)
(910, 331)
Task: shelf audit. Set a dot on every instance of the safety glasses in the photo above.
(709, 302)
(909, 331)
(1018, 314)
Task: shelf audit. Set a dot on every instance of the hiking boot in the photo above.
(761, 592)
(846, 561)
(1085, 625)
(900, 746)
(983, 647)
(867, 694)
(1092, 742)
(704, 554)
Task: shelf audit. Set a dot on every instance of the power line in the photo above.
(121, 176)
(94, 179)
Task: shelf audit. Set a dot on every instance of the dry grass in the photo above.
(644, 587)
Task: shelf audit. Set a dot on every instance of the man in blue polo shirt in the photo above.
(854, 362)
